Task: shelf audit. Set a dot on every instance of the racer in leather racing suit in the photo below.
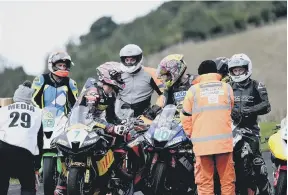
(56, 88)
(100, 97)
(172, 71)
(140, 82)
(251, 100)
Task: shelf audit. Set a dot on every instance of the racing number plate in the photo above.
(105, 163)
(48, 123)
(48, 120)
(162, 134)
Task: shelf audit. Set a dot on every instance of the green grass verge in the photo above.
(266, 131)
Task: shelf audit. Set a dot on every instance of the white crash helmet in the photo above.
(56, 57)
(240, 60)
(134, 51)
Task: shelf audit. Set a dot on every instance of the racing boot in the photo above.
(261, 172)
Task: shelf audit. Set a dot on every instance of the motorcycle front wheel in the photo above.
(281, 187)
(75, 181)
(158, 179)
(50, 175)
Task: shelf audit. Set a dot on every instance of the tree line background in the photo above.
(173, 22)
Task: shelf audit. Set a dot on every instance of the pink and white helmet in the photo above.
(110, 73)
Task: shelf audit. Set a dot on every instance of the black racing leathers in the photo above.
(102, 103)
(251, 100)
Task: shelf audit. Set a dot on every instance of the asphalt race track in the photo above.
(15, 189)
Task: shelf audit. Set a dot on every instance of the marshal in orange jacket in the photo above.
(206, 115)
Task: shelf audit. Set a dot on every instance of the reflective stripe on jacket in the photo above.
(206, 115)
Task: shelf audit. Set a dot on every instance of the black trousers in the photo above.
(18, 163)
(140, 107)
(259, 166)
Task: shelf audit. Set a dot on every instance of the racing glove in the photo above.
(120, 129)
(124, 121)
(236, 116)
(246, 112)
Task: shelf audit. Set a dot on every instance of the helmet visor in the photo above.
(130, 61)
(237, 71)
(61, 66)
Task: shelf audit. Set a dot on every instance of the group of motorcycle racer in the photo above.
(224, 83)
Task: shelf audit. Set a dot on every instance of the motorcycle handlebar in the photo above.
(140, 132)
(139, 121)
(102, 133)
(142, 124)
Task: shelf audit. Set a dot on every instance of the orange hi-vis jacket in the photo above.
(206, 115)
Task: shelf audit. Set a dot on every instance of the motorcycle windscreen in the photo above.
(81, 111)
(165, 126)
(127, 113)
(123, 110)
(90, 82)
(80, 115)
(83, 107)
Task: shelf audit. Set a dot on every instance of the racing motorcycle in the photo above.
(130, 160)
(278, 146)
(243, 158)
(53, 122)
(87, 151)
(169, 161)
